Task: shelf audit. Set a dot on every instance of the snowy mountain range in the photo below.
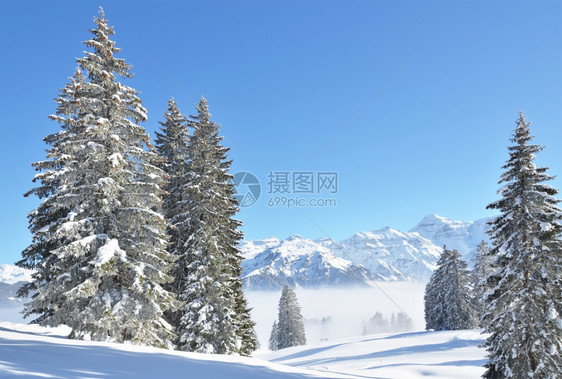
(392, 254)
(298, 261)
(11, 279)
(386, 254)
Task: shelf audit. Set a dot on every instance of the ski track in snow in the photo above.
(449, 354)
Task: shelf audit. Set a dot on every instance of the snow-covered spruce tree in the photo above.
(273, 337)
(480, 273)
(524, 300)
(403, 323)
(171, 145)
(290, 323)
(447, 301)
(246, 334)
(215, 317)
(53, 210)
(378, 324)
(434, 300)
(99, 243)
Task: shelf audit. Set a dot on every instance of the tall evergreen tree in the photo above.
(53, 210)
(290, 323)
(171, 144)
(215, 317)
(99, 244)
(448, 304)
(524, 300)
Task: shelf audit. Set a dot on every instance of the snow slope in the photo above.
(32, 351)
(252, 248)
(26, 351)
(447, 355)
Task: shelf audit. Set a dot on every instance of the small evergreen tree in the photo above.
(246, 334)
(524, 302)
(290, 323)
(273, 337)
(434, 300)
(99, 244)
(378, 324)
(325, 328)
(480, 273)
(403, 323)
(448, 304)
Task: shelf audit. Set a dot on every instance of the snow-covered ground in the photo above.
(32, 351)
(450, 354)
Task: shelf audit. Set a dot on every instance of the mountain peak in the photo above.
(459, 235)
(385, 232)
(433, 222)
(433, 218)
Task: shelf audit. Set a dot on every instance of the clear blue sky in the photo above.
(282, 77)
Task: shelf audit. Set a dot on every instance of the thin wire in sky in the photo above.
(194, 103)
(363, 107)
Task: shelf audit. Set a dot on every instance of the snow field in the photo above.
(29, 351)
